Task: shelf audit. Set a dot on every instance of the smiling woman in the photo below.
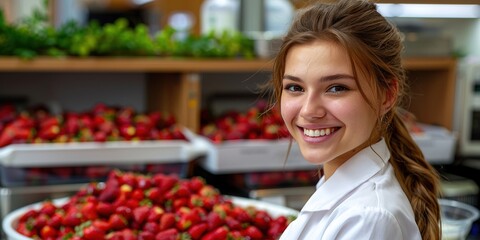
(339, 82)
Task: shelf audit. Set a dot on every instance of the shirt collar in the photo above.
(358, 169)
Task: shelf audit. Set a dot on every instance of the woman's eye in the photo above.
(337, 89)
(293, 88)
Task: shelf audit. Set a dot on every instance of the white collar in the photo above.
(358, 169)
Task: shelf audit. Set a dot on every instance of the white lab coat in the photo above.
(361, 200)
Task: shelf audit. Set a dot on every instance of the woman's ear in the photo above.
(390, 96)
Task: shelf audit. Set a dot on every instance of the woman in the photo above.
(340, 82)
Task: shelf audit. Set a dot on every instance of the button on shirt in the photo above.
(362, 200)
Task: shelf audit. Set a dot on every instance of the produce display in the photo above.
(256, 123)
(35, 36)
(136, 206)
(101, 123)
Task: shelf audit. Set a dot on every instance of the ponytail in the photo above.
(419, 180)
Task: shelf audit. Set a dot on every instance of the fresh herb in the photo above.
(34, 36)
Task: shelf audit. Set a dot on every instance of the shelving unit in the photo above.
(173, 84)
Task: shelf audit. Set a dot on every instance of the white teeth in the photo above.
(318, 132)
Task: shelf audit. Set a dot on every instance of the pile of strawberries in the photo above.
(257, 122)
(158, 207)
(101, 123)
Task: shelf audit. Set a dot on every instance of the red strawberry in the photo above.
(154, 194)
(141, 213)
(219, 233)
(104, 209)
(196, 231)
(25, 229)
(262, 219)
(40, 221)
(101, 224)
(167, 221)
(155, 213)
(28, 214)
(151, 227)
(117, 221)
(93, 233)
(253, 232)
(48, 232)
(168, 234)
(125, 211)
(144, 235)
(214, 220)
(195, 184)
(144, 182)
(233, 223)
(55, 221)
(88, 211)
(240, 214)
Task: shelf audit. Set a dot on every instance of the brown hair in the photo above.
(375, 47)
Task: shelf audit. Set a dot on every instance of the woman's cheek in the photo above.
(289, 109)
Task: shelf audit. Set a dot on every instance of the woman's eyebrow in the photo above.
(323, 79)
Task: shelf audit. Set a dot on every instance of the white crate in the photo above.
(437, 144)
(88, 153)
(240, 156)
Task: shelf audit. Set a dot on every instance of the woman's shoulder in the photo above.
(381, 194)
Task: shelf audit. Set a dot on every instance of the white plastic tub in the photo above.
(11, 220)
(457, 219)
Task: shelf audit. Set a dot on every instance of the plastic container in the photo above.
(11, 220)
(278, 16)
(457, 219)
(220, 16)
(240, 156)
(79, 162)
(437, 143)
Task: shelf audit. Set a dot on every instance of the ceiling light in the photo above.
(430, 10)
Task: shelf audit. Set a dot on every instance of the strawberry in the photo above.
(154, 194)
(117, 222)
(125, 212)
(164, 182)
(262, 219)
(93, 233)
(55, 221)
(101, 224)
(168, 234)
(144, 235)
(72, 218)
(104, 209)
(196, 231)
(141, 213)
(253, 233)
(155, 213)
(240, 214)
(47, 232)
(167, 221)
(88, 211)
(151, 227)
(195, 184)
(26, 229)
(31, 213)
(233, 223)
(144, 182)
(40, 221)
(48, 208)
(219, 233)
(111, 191)
(214, 220)
(128, 234)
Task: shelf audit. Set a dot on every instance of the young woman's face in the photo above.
(322, 105)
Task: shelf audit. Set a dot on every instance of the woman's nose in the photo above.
(313, 108)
